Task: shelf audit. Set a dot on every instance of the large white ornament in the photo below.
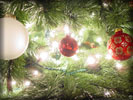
(14, 38)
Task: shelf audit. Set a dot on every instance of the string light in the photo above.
(92, 15)
(13, 82)
(58, 62)
(108, 57)
(77, 51)
(81, 31)
(91, 60)
(28, 25)
(65, 66)
(98, 56)
(79, 43)
(110, 51)
(99, 39)
(76, 38)
(118, 65)
(72, 35)
(81, 51)
(75, 57)
(55, 44)
(66, 29)
(107, 93)
(29, 33)
(27, 83)
(43, 56)
(52, 33)
(105, 4)
(36, 38)
(35, 72)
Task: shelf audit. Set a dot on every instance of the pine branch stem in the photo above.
(9, 78)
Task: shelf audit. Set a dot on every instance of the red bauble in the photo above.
(68, 46)
(120, 45)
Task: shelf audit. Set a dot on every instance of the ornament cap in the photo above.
(68, 36)
(118, 30)
(10, 16)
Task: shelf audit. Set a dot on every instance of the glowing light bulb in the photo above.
(108, 56)
(118, 65)
(28, 25)
(75, 57)
(72, 35)
(107, 93)
(81, 32)
(98, 56)
(55, 44)
(58, 62)
(27, 83)
(43, 56)
(105, 4)
(79, 43)
(66, 29)
(13, 82)
(110, 51)
(99, 39)
(91, 60)
(65, 66)
(35, 72)
(52, 33)
(29, 33)
(36, 38)
(92, 15)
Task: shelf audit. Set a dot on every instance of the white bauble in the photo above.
(14, 38)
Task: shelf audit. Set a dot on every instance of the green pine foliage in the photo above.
(69, 79)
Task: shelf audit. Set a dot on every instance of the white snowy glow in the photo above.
(13, 82)
(92, 15)
(98, 56)
(110, 52)
(108, 57)
(43, 56)
(118, 65)
(73, 35)
(91, 60)
(107, 93)
(79, 43)
(55, 44)
(27, 83)
(35, 72)
(81, 32)
(66, 29)
(28, 25)
(52, 33)
(99, 39)
(58, 62)
(105, 4)
(36, 38)
(75, 57)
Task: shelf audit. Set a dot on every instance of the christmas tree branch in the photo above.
(9, 77)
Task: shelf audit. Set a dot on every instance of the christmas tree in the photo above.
(67, 51)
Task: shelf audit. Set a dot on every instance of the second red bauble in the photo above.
(68, 46)
(120, 45)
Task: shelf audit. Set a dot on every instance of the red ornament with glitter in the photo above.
(68, 46)
(120, 45)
